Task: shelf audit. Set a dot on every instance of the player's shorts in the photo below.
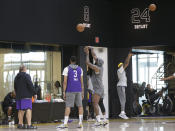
(99, 91)
(73, 97)
(24, 104)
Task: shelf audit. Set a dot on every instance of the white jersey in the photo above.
(66, 70)
(122, 77)
(173, 74)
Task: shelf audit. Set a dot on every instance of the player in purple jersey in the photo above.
(73, 91)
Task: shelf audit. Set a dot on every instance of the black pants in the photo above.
(102, 107)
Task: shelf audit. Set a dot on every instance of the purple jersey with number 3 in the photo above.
(74, 80)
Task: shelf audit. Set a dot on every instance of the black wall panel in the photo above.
(54, 21)
(160, 29)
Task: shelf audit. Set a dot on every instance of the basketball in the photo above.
(80, 27)
(152, 7)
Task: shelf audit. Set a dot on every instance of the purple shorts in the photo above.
(24, 104)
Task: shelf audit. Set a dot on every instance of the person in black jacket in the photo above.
(24, 91)
(9, 104)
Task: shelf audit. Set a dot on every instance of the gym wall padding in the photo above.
(54, 21)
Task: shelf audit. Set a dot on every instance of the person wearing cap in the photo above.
(122, 84)
(97, 82)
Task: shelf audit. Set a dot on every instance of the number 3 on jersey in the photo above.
(75, 75)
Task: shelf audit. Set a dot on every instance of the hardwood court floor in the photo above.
(134, 124)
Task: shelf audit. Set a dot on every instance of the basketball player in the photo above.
(101, 104)
(102, 107)
(96, 79)
(73, 90)
(122, 84)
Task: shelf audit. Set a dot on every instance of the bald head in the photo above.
(22, 68)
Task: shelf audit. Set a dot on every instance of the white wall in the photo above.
(103, 53)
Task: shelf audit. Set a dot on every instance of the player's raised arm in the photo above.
(88, 63)
(127, 60)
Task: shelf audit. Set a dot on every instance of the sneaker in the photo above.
(13, 122)
(105, 122)
(123, 116)
(97, 124)
(62, 126)
(20, 126)
(80, 125)
(31, 127)
(69, 121)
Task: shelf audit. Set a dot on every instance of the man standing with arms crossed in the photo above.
(97, 82)
(73, 91)
(122, 84)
